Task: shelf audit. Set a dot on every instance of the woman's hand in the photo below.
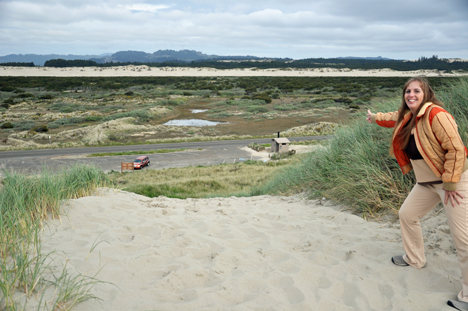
(453, 197)
(369, 116)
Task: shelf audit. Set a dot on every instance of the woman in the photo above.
(426, 139)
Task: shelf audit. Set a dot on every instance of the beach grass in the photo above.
(356, 168)
(199, 181)
(25, 202)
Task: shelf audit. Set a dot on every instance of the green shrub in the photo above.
(40, 129)
(92, 118)
(358, 102)
(141, 115)
(326, 102)
(52, 125)
(56, 106)
(262, 96)
(67, 109)
(7, 89)
(284, 107)
(257, 109)
(366, 97)
(71, 121)
(46, 96)
(246, 102)
(344, 100)
(169, 102)
(7, 125)
(256, 147)
(129, 93)
(24, 125)
(66, 121)
(221, 115)
(25, 95)
(282, 155)
(112, 137)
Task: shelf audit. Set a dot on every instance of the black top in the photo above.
(414, 154)
(412, 151)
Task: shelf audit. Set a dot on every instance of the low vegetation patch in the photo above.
(282, 155)
(254, 106)
(258, 147)
(199, 182)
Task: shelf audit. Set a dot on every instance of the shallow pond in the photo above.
(193, 122)
(198, 110)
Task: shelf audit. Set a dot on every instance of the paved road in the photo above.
(213, 152)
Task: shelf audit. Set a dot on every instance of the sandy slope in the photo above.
(256, 253)
(145, 71)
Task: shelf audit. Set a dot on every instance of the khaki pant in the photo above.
(418, 203)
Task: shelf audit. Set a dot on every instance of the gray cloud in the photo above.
(296, 28)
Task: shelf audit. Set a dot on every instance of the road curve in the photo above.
(201, 153)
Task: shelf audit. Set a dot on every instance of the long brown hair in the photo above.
(429, 96)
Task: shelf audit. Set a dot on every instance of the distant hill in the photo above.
(159, 56)
(190, 58)
(156, 57)
(167, 56)
(39, 60)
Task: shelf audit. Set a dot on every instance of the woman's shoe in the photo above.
(399, 261)
(459, 305)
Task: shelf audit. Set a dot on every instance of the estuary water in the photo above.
(193, 122)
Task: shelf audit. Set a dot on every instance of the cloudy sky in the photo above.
(401, 29)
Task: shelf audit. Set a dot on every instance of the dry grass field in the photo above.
(61, 112)
(32, 118)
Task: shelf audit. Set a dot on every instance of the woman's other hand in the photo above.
(369, 116)
(453, 197)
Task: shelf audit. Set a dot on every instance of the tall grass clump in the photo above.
(455, 97)
(199, 182)
(25, 201)
(141, 114)
(356, 168)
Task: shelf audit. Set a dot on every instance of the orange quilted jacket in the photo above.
(437, 139)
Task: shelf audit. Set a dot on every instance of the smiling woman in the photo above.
(414, 96)
(426, 140)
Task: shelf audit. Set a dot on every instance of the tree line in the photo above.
(423, 63)
(18, 64)
(286, 84)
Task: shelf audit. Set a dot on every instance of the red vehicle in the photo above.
(140, 162)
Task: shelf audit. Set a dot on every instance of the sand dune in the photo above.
(255, 253)
(145, 71)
